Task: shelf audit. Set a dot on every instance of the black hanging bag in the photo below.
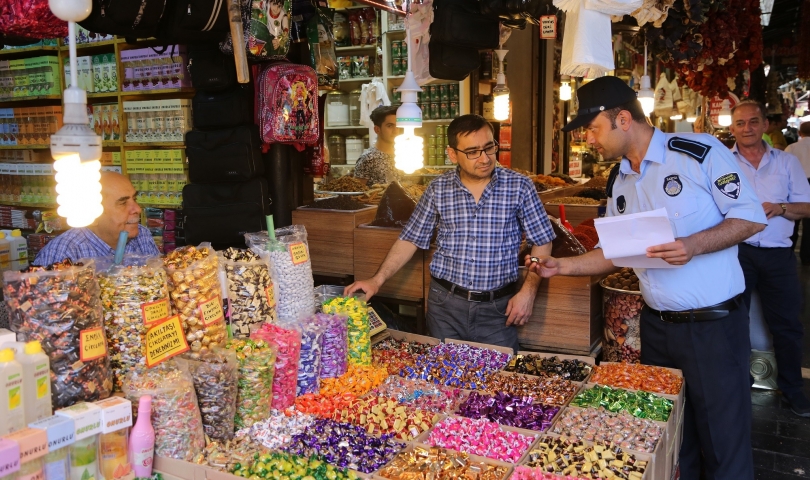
(127, 18)
(229, 108)
(449, 62)
(230, 155)
(211, 70)
(460, 23)
(223, 213)
(189, 21)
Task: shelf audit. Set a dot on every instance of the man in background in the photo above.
(377, 163)
(801, 150)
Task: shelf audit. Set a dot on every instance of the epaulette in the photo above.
(694, 149)
(614, 172)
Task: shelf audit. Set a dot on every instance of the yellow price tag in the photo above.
(154, 311)
(164, 340)
(92, 344)
(211, 311)
(271, 296)
(298, 252)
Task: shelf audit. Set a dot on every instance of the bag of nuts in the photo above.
(250, 291)
(133, 295)
(196, 296)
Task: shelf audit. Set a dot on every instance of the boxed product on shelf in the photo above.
(85, 36)
(145, 69)
(157, 120)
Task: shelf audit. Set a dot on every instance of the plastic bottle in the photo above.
(36, 382)
(12, 404)
(142, 439)
(5, 252)
(61, 433)
(116, 420)
(19, 250)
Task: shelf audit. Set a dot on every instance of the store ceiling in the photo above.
(784, 22)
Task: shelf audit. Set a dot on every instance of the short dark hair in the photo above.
(633, 106)
(379, 114)
(465, 125)
(804, 129)
(751, 103)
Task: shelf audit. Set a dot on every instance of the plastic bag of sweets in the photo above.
(285, 338)
(59, 307)
(249, 289)
(133, 295)
(309, 363)
(175, 414)
(292, 269)
(358, 330)
(196, 296)
(256, 361)
(335, 343)
(215, 377)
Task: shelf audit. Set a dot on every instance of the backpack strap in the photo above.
(614, 172)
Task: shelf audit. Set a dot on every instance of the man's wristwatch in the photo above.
(784, 208)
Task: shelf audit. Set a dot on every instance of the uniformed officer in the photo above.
(694, 318)
(767, 258)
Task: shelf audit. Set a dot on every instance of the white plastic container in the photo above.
(5, 252)
(19, 250)
(36, 382)
(61, 433)
(12, 397)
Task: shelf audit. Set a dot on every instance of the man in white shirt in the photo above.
(801, 150)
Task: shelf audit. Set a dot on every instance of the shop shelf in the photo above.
(347, 127)
(149, 93)
(25, 52)
(102, 95)
(355, 48)
(153, 144)
(24, 147)
(356, 79)
(35, 98)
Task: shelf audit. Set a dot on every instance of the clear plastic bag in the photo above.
(285, 338)
(256, 368)
(196, 296)
(175, 414)
(358, 328)
(131, 294)
(60, 308)
(215, 377)
(335, 343)
(309, 364)
(292, 269)
(250, 291)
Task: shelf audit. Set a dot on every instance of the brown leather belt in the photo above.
(473, 296)
(714, 312)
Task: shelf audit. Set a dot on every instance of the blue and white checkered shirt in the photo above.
(78, 243)
(478, 244)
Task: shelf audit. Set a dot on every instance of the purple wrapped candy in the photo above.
(457, 365)
(509, 410)
(335, 344)
(309, 364)
(345, 445)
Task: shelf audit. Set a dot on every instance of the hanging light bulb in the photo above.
(645, 94)
(500, 93)
(676, 116)
(408, 147)
(691, 117)
(76, 148)
(565, 88)
(724, 117)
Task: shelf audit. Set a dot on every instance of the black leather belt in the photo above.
(473, 296)
(714, 312)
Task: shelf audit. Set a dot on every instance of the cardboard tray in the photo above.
(412, 337)
(509, 466)
(192, 471)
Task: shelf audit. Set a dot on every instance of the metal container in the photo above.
(444, 92)
(444, 110)
(453, 109)
(435, 111)
(454, 91)
(337, 150)
(396, 66)
(433, 93)
(396, 45)
(354, 148)
(621, 310)
(354, 106)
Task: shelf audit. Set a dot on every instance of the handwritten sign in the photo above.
(92, 344)
(298, 252)
(548, 27)
(154, 311)
(164, 340)
(211, 311)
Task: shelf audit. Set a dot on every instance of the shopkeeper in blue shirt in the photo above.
(121, 213)
(482, 212)
(767, 258)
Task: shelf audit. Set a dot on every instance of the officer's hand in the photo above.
(519, 308)
(771, 209)
(370, 287)
(678, 252)
(544, 266)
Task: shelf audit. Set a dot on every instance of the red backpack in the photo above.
(287, 105)
(30, 19)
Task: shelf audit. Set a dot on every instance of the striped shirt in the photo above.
(78, 243)
(478, 244)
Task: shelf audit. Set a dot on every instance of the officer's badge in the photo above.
(621, 204)
(673, 185)
(729, 185)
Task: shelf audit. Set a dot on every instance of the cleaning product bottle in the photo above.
(12, 406)
(142, 439)
(36, 382)
(83, 454)
(5, 252)
(9, 459)
(61, 433)
(116, 420)
(19, 250)
(33, 444)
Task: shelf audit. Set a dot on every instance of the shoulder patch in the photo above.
(694, 149)
(614, 172)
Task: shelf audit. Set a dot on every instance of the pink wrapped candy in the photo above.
(480, 437)
(537, 473)
(287, 342)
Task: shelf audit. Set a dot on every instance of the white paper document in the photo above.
(625, 238)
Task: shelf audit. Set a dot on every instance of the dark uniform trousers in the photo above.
(714, 357)
(772, 272)
(804, 248)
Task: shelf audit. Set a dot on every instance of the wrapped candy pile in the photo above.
(638, 377)
(420, 394)
(457, 365)
(479, 437)
(587, 461)
(640, 404)
(510, 410)
(599, 425)
(574, 370)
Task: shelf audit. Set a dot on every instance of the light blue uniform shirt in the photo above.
(697, 196)
(779, 179)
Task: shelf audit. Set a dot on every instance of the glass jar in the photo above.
(337, 150)
(337, 108)
(354, 106)
(354, 148)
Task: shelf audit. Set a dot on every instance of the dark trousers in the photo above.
(804, 248)
(713, 356)
(772, 272)
(451, 316)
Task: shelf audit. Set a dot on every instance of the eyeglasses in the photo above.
(474, 154)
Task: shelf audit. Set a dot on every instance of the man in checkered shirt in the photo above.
(480, 213)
